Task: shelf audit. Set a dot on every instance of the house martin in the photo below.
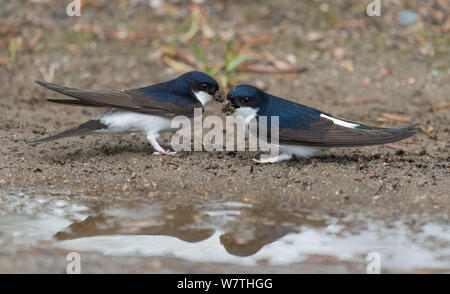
(148, 110)
(305, 131)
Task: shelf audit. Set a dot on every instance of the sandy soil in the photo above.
(385, 69)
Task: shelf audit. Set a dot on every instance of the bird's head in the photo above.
(202, 85)
(246, 96)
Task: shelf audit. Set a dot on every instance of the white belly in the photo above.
(122, 121)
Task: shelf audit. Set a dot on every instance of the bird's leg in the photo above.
(162, 143)
(268, 159)
(153, 139)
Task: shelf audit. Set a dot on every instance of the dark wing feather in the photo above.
(83, 129)
(325, 133)
(73, 102)
(303, 125)
(133, 100)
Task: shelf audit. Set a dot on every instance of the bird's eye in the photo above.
(204, 86)
(246, 99)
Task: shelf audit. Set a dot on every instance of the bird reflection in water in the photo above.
(246, 228)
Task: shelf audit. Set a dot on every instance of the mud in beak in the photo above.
(219, 96)
(228, 108)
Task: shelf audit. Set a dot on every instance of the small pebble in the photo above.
(407, 17)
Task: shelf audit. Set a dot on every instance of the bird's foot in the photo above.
(153, 139)
(273, 159)
(162, 143)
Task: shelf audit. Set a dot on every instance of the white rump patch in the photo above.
(340, 122)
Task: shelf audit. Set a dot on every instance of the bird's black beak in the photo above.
(232, 100)
(212, 91)
(228, 108)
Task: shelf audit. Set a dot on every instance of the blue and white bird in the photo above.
(148, 110)
(305, 131)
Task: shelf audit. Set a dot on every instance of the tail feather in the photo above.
(374, 136)
(83, 129)
(53, 87)
(341, 136)
(57, 88)
(73, 102)
(67, 91)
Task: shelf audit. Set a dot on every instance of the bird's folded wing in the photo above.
(326, 133)
(133, 99)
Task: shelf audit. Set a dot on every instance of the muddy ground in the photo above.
(367, 70)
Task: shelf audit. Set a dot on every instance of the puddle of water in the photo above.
(225, 232)
(27, 220)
